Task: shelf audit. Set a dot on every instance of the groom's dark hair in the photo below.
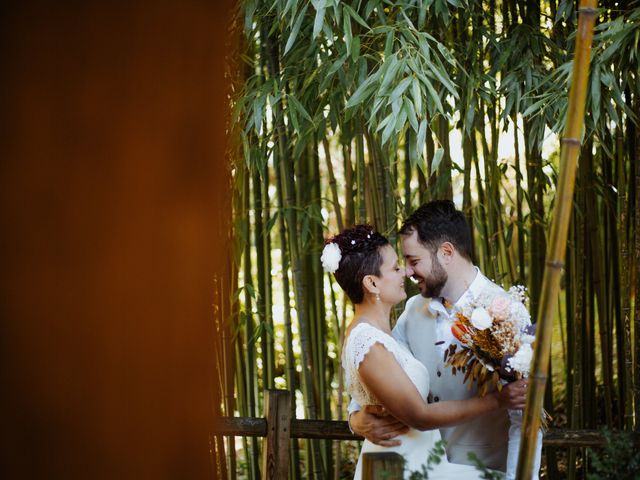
(437, 222)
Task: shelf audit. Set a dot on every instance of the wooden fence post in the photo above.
(382, 466)
(275, 452)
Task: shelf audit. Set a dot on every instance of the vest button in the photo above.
(439, 373)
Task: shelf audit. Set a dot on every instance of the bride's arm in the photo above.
(388, 382)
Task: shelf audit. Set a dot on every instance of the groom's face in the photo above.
(423, 266)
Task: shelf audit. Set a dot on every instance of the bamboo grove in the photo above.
(359, 111)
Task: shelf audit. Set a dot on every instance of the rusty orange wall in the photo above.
(115, 207)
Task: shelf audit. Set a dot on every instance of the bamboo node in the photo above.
(588, 11)
(555, 264)
(571, 140)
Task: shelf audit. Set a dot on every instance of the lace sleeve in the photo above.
(362, 339)
(358, 344)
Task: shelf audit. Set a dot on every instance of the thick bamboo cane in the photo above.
(558, 240)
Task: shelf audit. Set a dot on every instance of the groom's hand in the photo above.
(375, 424)
(513, 395)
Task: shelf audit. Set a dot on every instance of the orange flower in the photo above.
(459, 330)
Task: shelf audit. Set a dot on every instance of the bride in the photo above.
(381, 371)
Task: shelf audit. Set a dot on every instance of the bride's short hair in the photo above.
(360, 249)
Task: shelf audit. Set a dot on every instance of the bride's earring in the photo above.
(377, 297)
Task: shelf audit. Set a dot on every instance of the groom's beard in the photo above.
(433, 285)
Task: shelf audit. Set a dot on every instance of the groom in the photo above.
(436, 244)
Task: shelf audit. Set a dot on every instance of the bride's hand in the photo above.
(378, 426)
(513, 395)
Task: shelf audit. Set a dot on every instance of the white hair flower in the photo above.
(481, 319)
(330, 257)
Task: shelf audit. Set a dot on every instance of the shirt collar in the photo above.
(472, 291)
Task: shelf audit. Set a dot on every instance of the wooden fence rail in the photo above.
(278, 427)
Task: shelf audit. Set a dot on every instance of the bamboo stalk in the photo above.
(519, 202)
(598, 283)
(408, 138)
(288, 333)
(625, 362)
(361, 213)
(333, 186)
(558, 238)
(251, 377)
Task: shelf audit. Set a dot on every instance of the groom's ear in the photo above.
(446, 251)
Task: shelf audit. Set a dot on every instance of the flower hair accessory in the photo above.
(331, 256)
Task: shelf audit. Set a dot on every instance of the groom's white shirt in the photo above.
(425, 328)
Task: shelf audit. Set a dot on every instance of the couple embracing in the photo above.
(404, 398)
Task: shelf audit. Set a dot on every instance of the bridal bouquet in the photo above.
(496, 334)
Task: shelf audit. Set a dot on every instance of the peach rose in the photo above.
(499, 307)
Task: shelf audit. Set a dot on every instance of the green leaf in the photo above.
(437, 159)
(411, 114)
(416, 93)
(400, 88)
(389, 129)
(299, 107)
(385, 122)
(337, 64)
(390, 73)
(355, 48)
(348, 36)
(361, 93)
(434, 96)
(388, 44)
(319, 21)
(355, 16)
(421, 138)
(294, 31)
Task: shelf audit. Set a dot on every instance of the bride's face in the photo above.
(390, 282)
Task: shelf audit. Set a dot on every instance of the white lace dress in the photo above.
(416, 445)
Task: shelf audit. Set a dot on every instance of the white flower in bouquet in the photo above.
(481, 319)
(525, 338)
(331, 257)
(521, 361)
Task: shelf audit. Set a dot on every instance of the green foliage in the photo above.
(486, 472)
(619, 459)
(436, 454)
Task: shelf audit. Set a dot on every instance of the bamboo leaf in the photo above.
(385, 122)
(401, 120)
(421, 139)
(417, 95)
(437, 159)
(348, 36)
(318, 21)
(295, 30)
(388, 45)
(399, 90)
(299, 107)
(361, 93)
(411, 114)
(390, 73)
(434, 96)
(355, 16)
(355, 48)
